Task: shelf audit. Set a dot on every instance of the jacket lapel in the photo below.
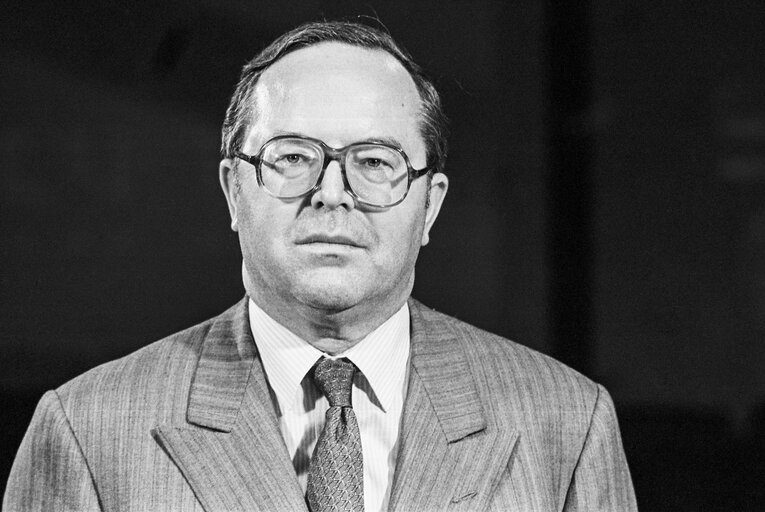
(231, 451)
(451, 454)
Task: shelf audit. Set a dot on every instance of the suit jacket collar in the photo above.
(231, 451)
(451, 453)
(233, 456)
(439, 362)
(224, 368)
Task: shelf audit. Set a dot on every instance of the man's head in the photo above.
(326, 253)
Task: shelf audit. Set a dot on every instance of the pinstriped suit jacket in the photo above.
(187, 423)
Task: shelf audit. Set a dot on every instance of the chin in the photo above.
(329, 292)
(327, 299)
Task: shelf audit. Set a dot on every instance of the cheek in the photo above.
(400, 238)
(259, 226)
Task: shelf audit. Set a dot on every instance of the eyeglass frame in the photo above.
(330, 154)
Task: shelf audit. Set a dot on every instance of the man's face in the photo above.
(323, 250)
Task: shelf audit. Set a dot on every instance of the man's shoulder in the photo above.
(162, 368)
(508, 365)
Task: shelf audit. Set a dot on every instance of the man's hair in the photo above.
(241, 109)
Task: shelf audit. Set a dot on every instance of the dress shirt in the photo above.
(377, 395)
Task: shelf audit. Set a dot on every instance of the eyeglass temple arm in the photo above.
(250, 159)
(416, 173)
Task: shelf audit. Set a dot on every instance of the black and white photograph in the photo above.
(331, 255)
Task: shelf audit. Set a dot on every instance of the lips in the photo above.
(325, 238)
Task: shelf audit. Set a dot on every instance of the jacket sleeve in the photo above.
(601, 479)
(50, 471)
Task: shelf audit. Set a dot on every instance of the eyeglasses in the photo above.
(374, 173)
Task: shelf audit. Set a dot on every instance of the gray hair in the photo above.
(241, 109)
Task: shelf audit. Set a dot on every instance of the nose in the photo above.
(331, 192)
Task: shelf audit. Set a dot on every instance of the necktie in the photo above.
(336, 471)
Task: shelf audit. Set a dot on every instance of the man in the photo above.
(327, 386)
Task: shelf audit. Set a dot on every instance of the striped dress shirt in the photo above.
(378, 395)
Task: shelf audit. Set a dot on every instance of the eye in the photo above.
(293, 159)
(373, 163)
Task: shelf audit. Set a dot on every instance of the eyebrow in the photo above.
(390, 141)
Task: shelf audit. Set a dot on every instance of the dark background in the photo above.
(606, 205)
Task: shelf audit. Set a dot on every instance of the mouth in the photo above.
(329, 240)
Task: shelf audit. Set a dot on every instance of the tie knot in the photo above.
(334, 378)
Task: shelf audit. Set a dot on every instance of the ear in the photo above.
(230, 189)
(439, 184)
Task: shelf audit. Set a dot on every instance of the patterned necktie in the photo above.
(336, 472)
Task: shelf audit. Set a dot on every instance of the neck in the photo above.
(335, 332)
(330, 331)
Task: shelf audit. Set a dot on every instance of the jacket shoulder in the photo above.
(510, 371)
(146, 382)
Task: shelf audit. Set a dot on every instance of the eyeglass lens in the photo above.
(376, 174)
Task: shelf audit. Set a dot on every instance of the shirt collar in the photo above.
(382, 356)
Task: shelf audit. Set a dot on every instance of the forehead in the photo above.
(340, 94)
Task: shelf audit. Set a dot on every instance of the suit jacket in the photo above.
(188, 423)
